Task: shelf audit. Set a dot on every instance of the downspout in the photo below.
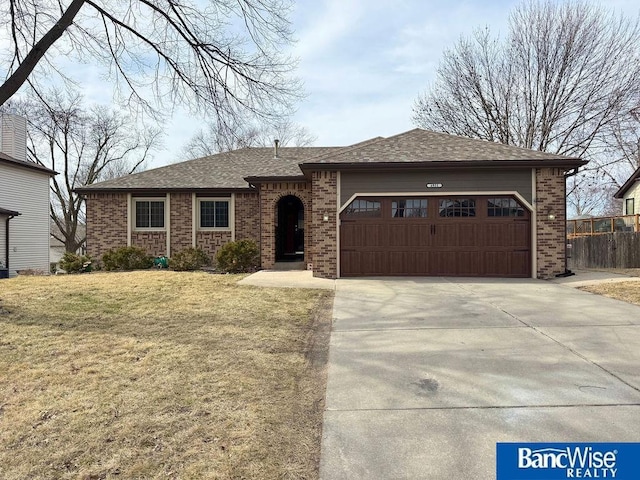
(567, 272)
(6, 240)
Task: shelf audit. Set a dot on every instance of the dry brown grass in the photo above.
(626, 291)
(159, 375)
(632, 272)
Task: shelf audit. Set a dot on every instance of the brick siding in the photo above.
(181, 218)
(551, 234)
(106, 222)
(325, 237)
(210, 242)
(270, 194)
(155, 243)
(247, 217)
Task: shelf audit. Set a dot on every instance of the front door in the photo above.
(290, 229)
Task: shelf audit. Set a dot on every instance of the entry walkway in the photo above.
(288, 279)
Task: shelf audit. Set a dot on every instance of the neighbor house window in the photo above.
(214, 213)
(409, 208)
(504, 207)
(630, 207)
(457, 207)
(149, 213)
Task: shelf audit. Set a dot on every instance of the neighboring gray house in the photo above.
(24, 201)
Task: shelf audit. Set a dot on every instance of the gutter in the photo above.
(380, 166)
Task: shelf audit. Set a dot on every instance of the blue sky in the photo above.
(362, 63)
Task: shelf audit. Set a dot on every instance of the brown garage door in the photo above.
(458, 236)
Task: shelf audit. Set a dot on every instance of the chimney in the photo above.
(13, 136)
(276, 142)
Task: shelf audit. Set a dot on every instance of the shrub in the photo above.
(189, 259)
(126, 258)
(238, 257)
(74, 263)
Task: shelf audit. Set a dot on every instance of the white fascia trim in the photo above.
(194, 219)
(232, 216)
(129, 219)
(167, 223)
(484, 193)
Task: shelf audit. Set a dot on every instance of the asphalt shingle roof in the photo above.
(229, 170)
(20, 163)
(221, 171)
(421, 146)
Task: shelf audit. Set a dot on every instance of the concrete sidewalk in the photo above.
(287, 279)
(427, 374)
(593, 277)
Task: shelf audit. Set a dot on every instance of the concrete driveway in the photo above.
(426, 375)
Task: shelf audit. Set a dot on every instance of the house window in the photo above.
(504, 207)
(457, 207)
(630, 207)
(214, 213)
(149, 214)
(409, 208)
(361, 208)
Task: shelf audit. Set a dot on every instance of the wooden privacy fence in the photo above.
(608, 250)
(600, 225)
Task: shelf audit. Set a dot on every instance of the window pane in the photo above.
(214, 214)
(630, 207)
(142, 214)
(157, 214)
(363, 209)
(409, 208)
(504, 207)
(207, 214)
(222, 214)
(457, 207)
(397, 208)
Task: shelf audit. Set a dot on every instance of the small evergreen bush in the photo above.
(74, 263)
(238, 257)
(127, 258)
(189, 259)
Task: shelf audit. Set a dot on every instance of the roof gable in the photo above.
(635, 177)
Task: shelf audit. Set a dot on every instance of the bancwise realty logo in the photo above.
(551, 461)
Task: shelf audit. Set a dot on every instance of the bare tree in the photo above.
(84, 145)
(564, 80)
(220, 57)
(591, 193)
(226, 136)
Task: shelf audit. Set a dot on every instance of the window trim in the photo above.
(230, 207)
(626, 206)
(134, 202)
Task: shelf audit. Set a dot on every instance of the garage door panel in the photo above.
(496, 241)
(508, 235)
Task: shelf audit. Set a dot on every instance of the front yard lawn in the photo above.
(626, 291)
(160, 375)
